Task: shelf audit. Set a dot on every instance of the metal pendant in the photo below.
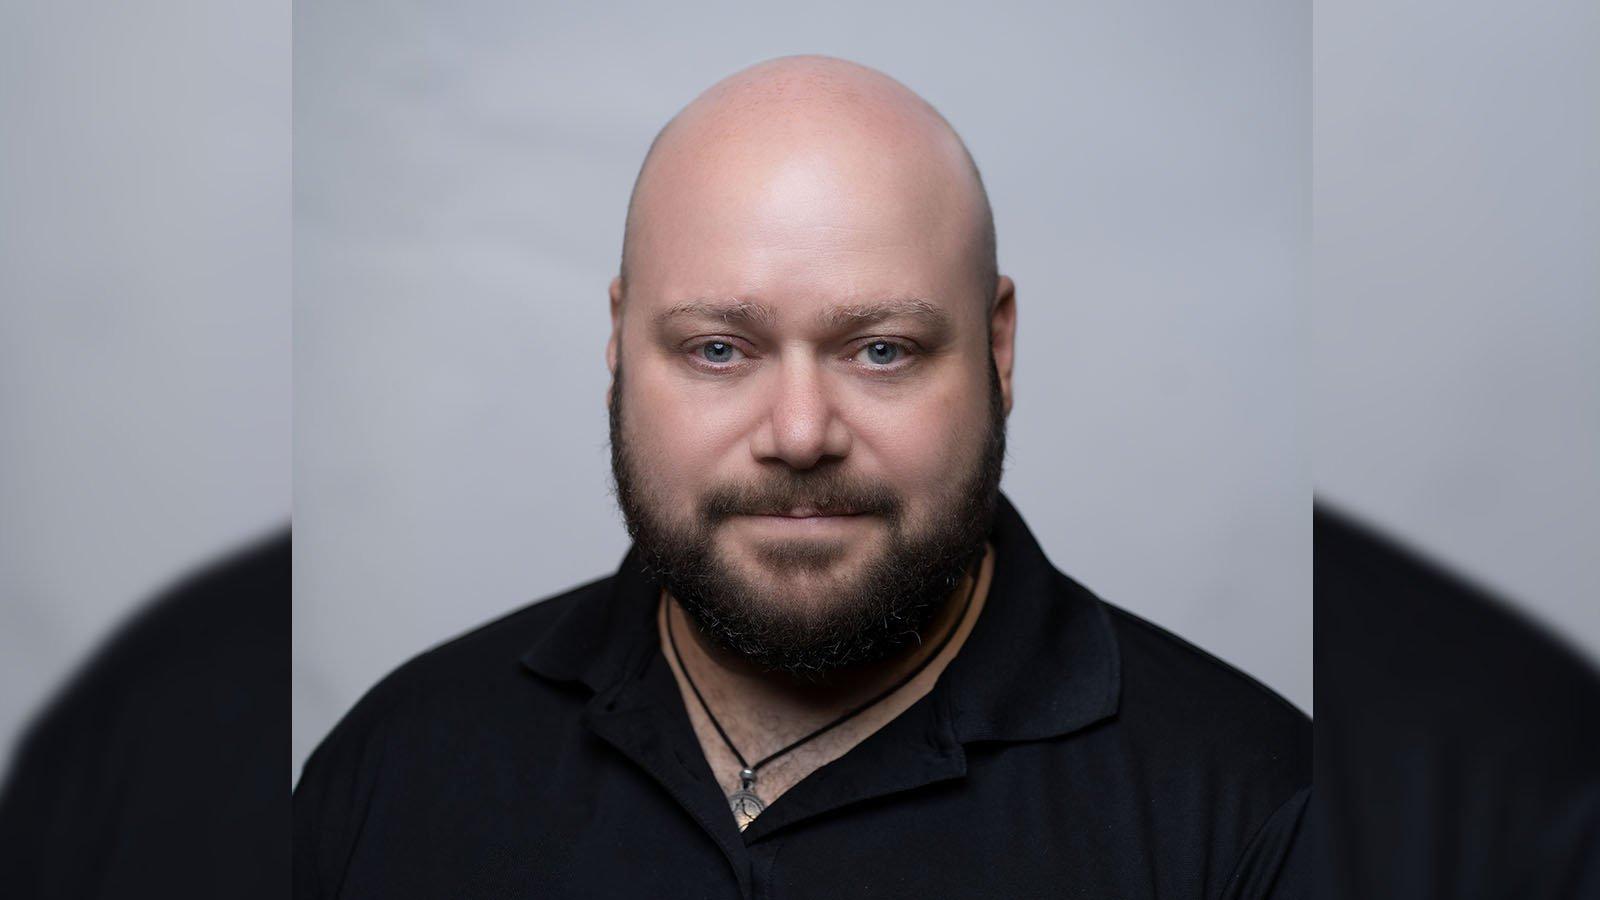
(744, 802)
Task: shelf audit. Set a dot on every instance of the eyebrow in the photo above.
(735, 311)
(729, 311)
(881, 310)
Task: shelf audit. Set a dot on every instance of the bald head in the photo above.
(806, 152)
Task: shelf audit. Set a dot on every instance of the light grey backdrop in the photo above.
(461, 174)
(1457, 325)
(144, 312)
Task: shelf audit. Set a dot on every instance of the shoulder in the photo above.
(471, 668)
(236, 603)
(1204, 710)
(1394, 615)
(466, 687)
(406, 735)
(210, 644)
(1434, 673)
(1242, 753)
(453, 708)
(170, 721)
(1232, 749)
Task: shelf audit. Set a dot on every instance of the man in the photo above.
(834, 663)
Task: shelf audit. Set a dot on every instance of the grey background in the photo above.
(144, 312)
(1457, 305)
(461, 174)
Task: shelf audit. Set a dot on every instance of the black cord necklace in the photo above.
(744, 802)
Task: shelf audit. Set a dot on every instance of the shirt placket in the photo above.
(638, 718)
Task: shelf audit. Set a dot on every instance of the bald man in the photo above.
(834, 661)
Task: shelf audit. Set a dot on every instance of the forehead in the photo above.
(791, 216)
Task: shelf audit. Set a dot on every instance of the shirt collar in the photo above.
(1041, 661)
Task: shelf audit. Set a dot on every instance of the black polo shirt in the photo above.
(1070, 749)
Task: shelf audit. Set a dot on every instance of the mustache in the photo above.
(826, 495)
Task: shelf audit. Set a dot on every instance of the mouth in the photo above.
(808, 512)
(805, 519)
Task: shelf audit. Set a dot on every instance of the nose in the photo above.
(802, 425)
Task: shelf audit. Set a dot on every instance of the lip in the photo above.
(806, 512)
(805, 518)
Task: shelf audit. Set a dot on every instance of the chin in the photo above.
(804, 560)
(763, 567)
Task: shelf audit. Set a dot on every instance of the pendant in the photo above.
(744, 802)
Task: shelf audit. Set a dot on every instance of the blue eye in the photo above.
(883, 352)
(716, 351)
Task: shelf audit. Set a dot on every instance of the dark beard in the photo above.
(885, 610)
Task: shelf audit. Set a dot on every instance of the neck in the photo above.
(728, 680)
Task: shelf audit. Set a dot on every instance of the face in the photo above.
(808, 438)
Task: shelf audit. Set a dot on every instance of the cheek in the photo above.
(917, 441)
(677, 437)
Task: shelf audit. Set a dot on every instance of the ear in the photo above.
(1003, 333)
(616, 333)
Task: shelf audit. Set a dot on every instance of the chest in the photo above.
(597, 824)
(758, 737)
